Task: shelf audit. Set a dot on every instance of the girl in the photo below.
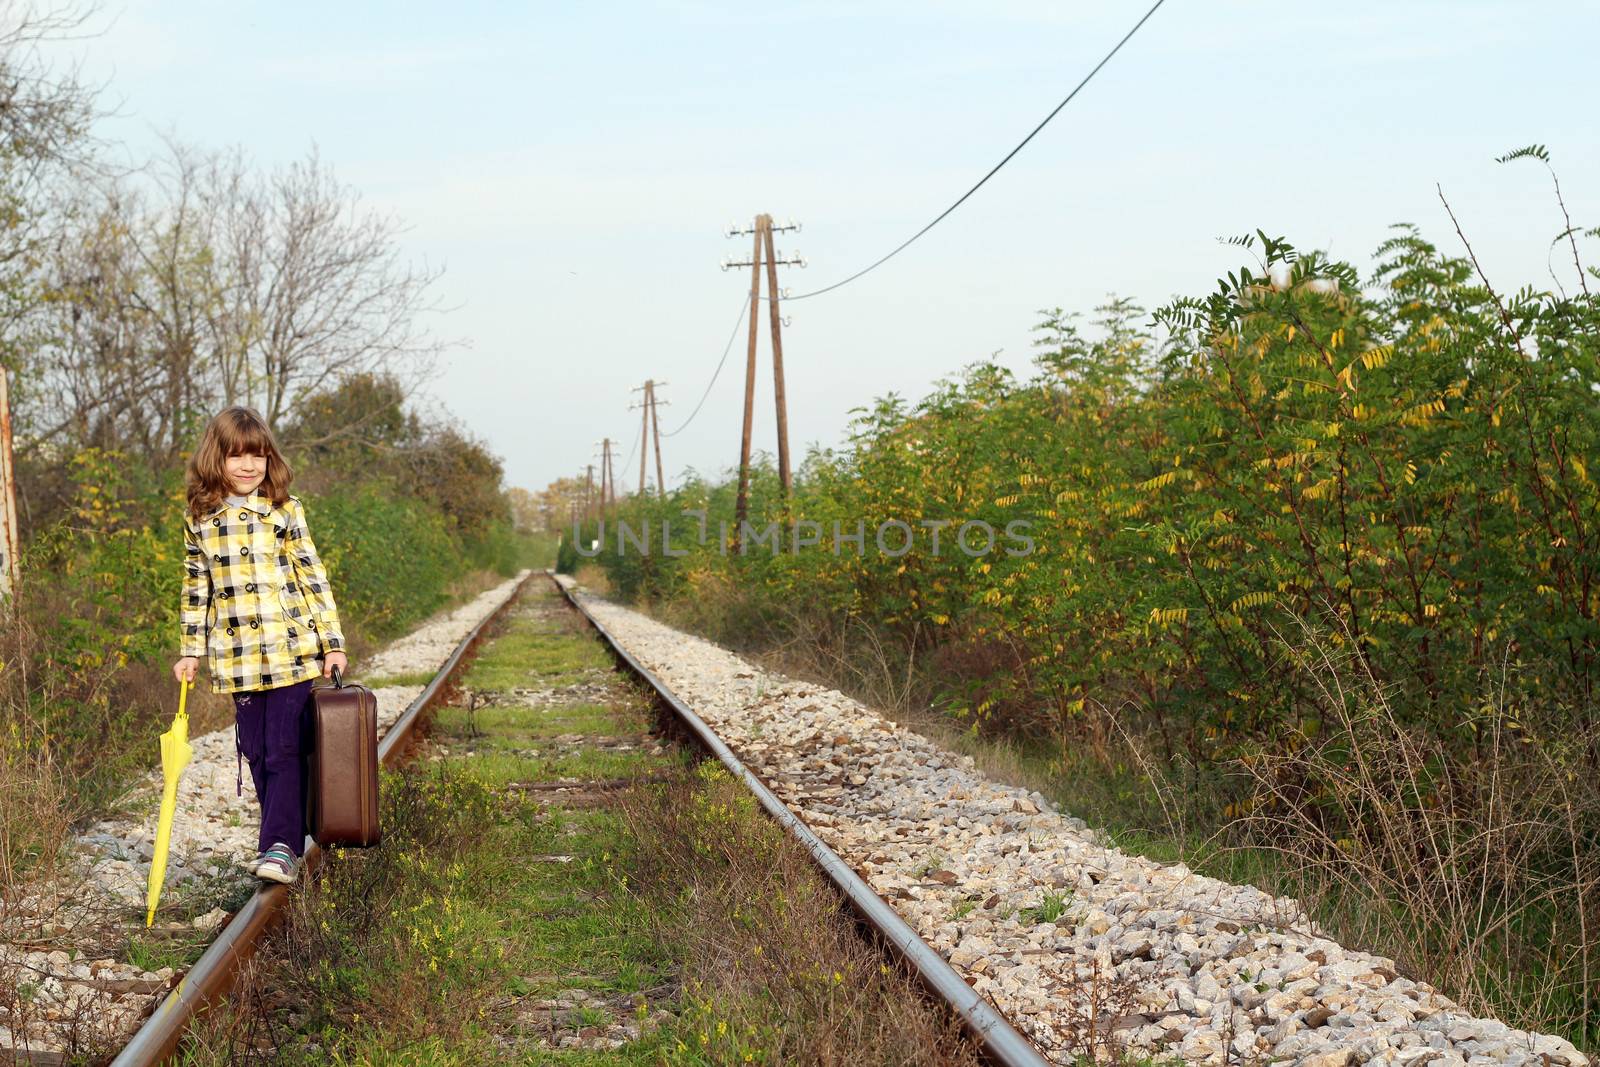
(256, 597)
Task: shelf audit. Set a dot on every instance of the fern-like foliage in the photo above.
(1532, 151)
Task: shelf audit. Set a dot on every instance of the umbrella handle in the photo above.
(184, 685)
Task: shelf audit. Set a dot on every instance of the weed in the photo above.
(772, 970)
(1048, 910)
(591, 1016)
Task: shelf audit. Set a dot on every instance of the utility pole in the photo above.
(588, 492)
(777, 364)
(655, 423)
(605, 474)
(650, 430)
(9, 544)
(608, 476)
(762, 230)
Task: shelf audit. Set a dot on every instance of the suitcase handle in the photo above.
(338, 682)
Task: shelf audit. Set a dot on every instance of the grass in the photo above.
(493, 916)
(453, 925)
(151, 953)
(527, 657)
(572, 719)
(772, 969)
(590, 764)
(1048, 910)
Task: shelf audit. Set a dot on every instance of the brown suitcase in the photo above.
(342, 808)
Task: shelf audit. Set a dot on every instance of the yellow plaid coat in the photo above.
(255, 596)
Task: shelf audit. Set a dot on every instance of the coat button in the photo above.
(216, 522)
(250, 587)
(217, 558)
(226, 594)
(312, 623)
(244, 514)
(230, 631)
(244, 552)
(254, 623)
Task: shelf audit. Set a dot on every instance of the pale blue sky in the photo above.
(573, 167)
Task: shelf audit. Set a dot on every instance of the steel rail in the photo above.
(213, 974)
(998, 1039)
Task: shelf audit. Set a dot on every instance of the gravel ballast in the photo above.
(1170, 962)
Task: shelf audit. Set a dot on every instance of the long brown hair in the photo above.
(234, 431)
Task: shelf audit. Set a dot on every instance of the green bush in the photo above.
(1403, 471)
(567, 555)
(389, 555)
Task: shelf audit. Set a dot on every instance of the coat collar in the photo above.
(255, 502)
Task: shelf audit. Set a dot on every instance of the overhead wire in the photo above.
(636, 431)
(993, 171)
(744, 307)
(725, 350)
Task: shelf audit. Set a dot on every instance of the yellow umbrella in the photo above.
(176, 752)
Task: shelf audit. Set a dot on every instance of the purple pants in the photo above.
(272, 729)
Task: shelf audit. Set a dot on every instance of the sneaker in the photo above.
(278, 864)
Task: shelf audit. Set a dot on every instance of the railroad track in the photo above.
(216, 971)
(999, 1041)
(1214, 973)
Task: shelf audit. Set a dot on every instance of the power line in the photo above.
(943, 214)
(632, 446)
(726, 349)
(745, 306)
